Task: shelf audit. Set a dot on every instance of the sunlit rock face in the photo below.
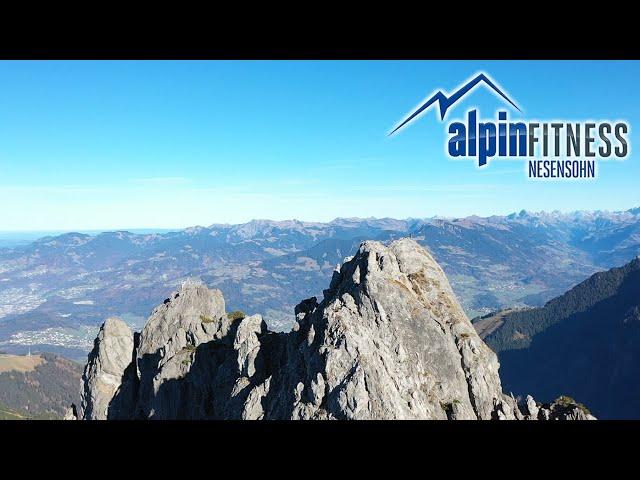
(389, 340)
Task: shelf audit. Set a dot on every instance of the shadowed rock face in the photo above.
(191, 317)
(388, 341)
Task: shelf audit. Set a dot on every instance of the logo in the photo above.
(556, 149)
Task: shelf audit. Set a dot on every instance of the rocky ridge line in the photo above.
(389, 340)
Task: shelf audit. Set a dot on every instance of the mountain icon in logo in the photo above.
(445, 102)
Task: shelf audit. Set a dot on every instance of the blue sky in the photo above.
(109, 145)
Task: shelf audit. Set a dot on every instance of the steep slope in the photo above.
(40, 386)
(106, 366)
(388, 341)
(585, 343)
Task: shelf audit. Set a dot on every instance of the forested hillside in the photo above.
(585, 344)
(45, 391)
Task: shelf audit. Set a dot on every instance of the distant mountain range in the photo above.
(56, 291)
(585, 343)
(12, 239)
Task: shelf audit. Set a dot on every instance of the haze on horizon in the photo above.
(168, 145)
(14, 237)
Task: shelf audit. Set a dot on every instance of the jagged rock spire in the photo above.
(111, 355)
(389, 340)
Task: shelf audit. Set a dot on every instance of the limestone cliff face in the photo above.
(391, 341)
(103, 375)
(388, 341)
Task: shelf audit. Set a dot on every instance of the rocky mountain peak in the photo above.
(395, 337)
(389, 340)
(190, 316)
